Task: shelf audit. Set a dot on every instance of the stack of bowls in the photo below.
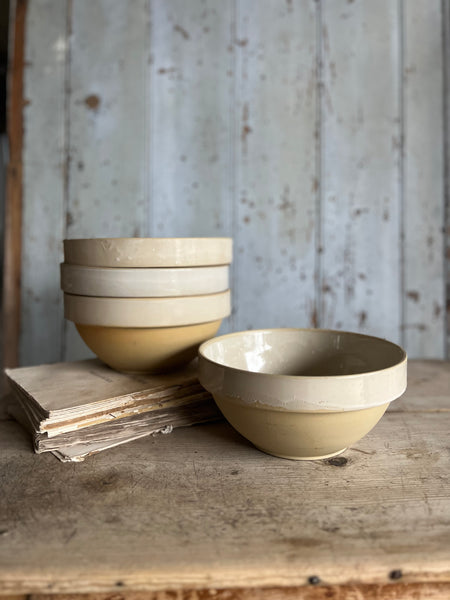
(146, 304)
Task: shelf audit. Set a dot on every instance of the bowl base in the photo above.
(321, 457)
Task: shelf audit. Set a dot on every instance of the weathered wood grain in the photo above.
(276, 170)
(424, 319)
(201, 508)
(43, 181)
(412, 591)
(360, 259)
(192, 108)
(109, 125)
(283, 127)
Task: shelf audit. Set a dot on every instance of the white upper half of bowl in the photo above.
(146, 312)
(148, 252)
(143, 283)
(304, 369)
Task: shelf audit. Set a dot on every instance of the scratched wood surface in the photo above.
(312, 132)
(202, 508)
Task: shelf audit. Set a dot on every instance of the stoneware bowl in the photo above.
(148, 252)
(143, 283)
(302, 394)
(148, 335)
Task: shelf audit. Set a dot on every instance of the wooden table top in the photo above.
(203, 509)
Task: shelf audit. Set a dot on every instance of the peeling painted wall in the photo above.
(312, 132)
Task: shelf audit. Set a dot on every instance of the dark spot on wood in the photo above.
(80, 165)
(206, 30)
(3, 532)
(320, 249)
(362, 318)
(437, 310)
(183, 158)
(413, 295)
(120, 583)
(385, 215)
(326, 289)
(246, 129)
(395, 574)
(235, 472)
(246, 219)
(315, 184)
(243, 200)
(359, 211)
(69, 219)
(430, 241)
(362, 276)
(164, 70)
(26, 102)
(314, 580)
(92, 101)
(337, 461)
(182, 31)
(314, 318)
(241, 43)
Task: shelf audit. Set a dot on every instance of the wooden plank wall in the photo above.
(312, 132)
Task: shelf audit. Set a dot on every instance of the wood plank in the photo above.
(43, 181)
(424, 273)
(276, 170)
(191, 156)
(412, 591)
(109, 119)
(191, 105)
(360, 264)
(226, 515)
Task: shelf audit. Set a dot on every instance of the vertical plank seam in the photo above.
(148, 120)
(402, 169)
(233, 116)
(445, 18)
(318, 305)
(67, 155)
(234, 119)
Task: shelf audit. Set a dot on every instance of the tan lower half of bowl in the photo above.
(299, 435)
(146, 350)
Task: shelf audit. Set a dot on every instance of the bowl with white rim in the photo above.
(148, 252)
(302, 394)
(143, 283)
(146, 335)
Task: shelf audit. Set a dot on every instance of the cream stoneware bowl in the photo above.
(302, 394)
(148, 252)
(148, 335)
(143, 283)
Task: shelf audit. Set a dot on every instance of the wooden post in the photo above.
(13, 208)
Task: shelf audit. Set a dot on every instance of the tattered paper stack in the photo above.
(75, 409)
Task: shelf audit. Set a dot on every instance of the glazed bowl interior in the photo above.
(307, 352)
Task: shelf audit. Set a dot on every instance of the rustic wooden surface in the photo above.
(201, 509)
(312, 132)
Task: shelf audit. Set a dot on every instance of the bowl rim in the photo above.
(204, 345)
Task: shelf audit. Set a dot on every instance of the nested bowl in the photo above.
(302, 394)
(148, 252)
(148, 335)
(143, 283)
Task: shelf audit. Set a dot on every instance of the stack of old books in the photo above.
(75, 409)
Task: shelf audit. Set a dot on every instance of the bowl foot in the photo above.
(320, 457)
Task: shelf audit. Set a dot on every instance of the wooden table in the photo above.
(203, 513)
